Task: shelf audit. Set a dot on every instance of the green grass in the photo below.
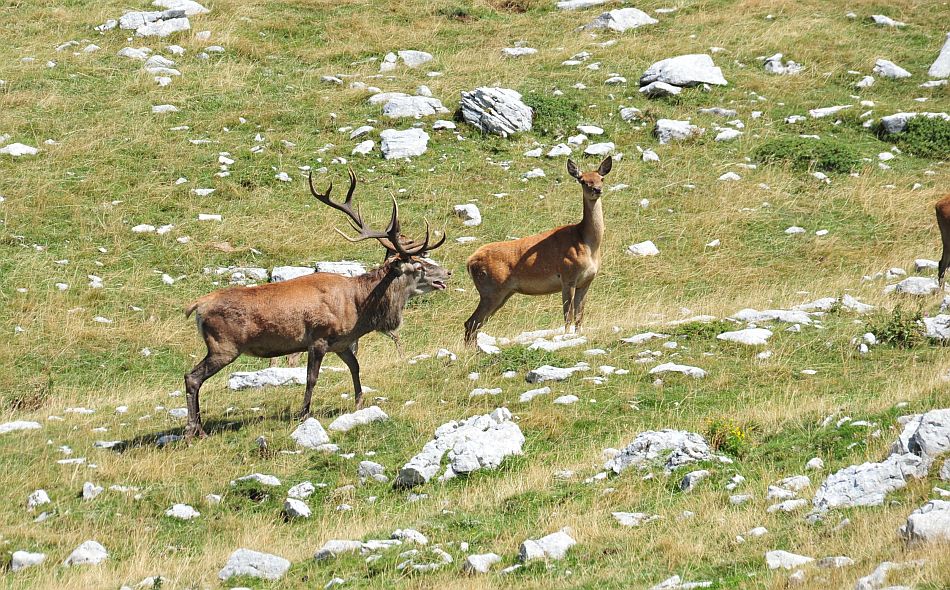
(114, 165)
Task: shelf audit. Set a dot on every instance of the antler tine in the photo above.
(344, 207)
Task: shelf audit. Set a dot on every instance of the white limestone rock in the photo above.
(647, 248)
(18, 425)
(785, 560)
(254, 564)
(310, 434)
(497, 111)
(553, 546)
(347, 422)
(260, 478)
(480, 563)
(772, 315)
(336, 547)
(621, 20)
(926, 435)
(469, 213)
(920, 286)
(403, 144)
(413, 58)
(480, 442)
(270, 377)
(897, 122)
(368, 470)
(773, 65)
(634, 519)
(578, 4)
(889, 69)
(24, 559)
(296, 508)
(684, 70)
(600, 149)
(182, 512)
(189, 7)
(941, 66)
(163, 28)
(346, 268)
(37, 499)
(413, 106)
(886, 21)
(518, 51)
(671, 448)
(363, 148)
(846, 301)
(91, 490)
(17, 150)
(660, 90)
(285, 273)
(668, 130)
(748, 336)
(689, 371)
(550, 373)
(302, 490)
(691, 479)
(88, 553)
(644, 337)
(868, 483)
(928, 524)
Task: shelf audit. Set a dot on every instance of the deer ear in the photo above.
(572, 169)
(605, 166)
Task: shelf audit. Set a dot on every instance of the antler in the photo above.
(391, 239)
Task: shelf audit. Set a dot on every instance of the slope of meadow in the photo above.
(68, 212)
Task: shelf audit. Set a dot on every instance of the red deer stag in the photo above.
(317, 313)
(564, 259)
(943, 222)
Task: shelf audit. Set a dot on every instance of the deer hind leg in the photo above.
(579, 296)
(487, 306)
(354, 366)
(293, 360)
(568, 293)
(211, 364)
(944, 261)
(314, 360)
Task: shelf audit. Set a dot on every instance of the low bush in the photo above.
(829, 155)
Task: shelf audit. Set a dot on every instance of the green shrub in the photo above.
(830, 155)
(927, 138)
(900, 328)
(553, 115)
(727, 436)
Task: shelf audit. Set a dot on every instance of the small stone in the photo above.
(553, 546)
(785, 560)
(182, 512)
(88, 553)
(480, 563)
(296, 508)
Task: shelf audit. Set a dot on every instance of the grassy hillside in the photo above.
(68, 212)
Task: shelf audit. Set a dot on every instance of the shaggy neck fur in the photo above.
(383, 296)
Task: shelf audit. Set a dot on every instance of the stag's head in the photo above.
(405, 257)
(592, 182)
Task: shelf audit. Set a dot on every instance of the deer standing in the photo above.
(317, 313)
(943, 222)
(564, 259)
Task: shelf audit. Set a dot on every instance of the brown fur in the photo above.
(942, 208)
(564, 259)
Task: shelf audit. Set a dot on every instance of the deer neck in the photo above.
(592, 225)
(382, 299)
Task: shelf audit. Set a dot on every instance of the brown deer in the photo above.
(317, 313)
(564, 259)
(943, 222)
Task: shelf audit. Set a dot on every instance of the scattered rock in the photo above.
(480, 442)
(647, 248)
(413, 106)
(694, 372)
(17, 425)
(347, 422)
(254, 564)
(693, 478)
(897, 122)
(18, 149)
(310, 434)
(270, 377)
(941, 66)
(774, 65)
(785, 560)
(296, 508)
(497, 111)
(182, 512)
(88, 553)
(403, 144)
(672, 448)
(553, 546)
(336, 547)
(621, 20)
(928, 524)
(549, 373)
(889, 69)
(684, 70)
(668, 130)
(24, 559)
(469, 213)
(920, 286)
(634, 519)
(886, 21)
(748, 336)
(868, 483)
(480, 563)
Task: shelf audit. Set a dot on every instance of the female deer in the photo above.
(564, 259)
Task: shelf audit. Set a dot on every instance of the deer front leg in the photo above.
(315, 356)
(567, 299)
(350, 359)
(579, 296)
(211, 364)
